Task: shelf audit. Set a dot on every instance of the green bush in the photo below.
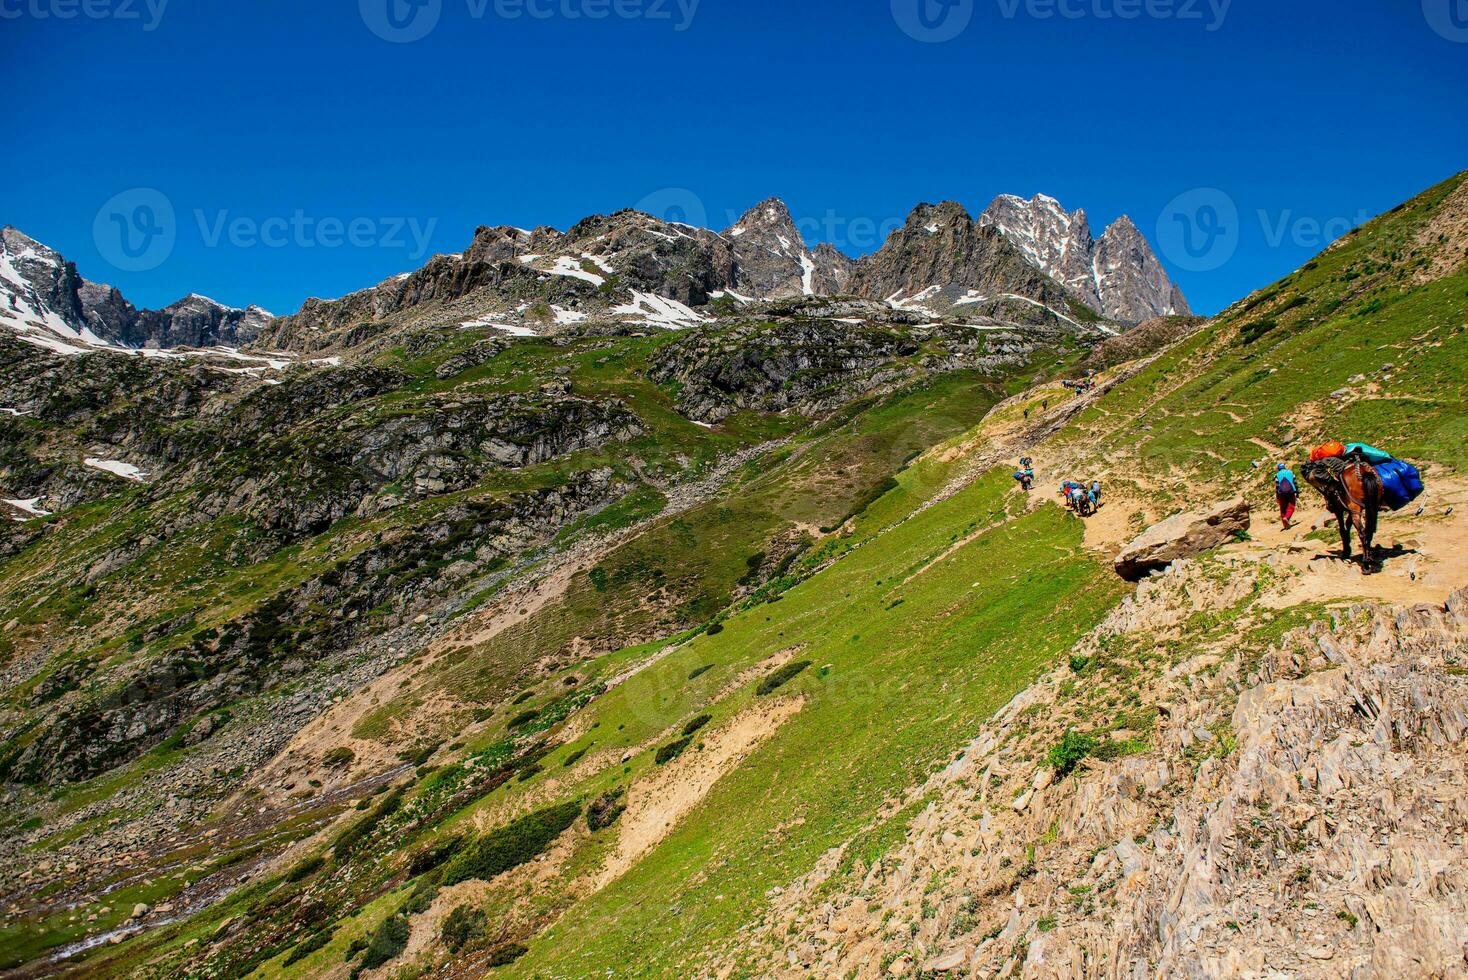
(672, 750)
(462, 926)
(506, 955)
(511, 845)
(354, 836)
(423, 896)
(339, 758)
(779, 678)
(523, 718)
(699, 672)
(577, 756)
(530, 772)
(434, 856)
(390, 939)
(307, 946)
(306, 868)
(1078, 664)
(715, 629)
(696, 724)
(1253, 331)
(606, 808)
(1073, 747)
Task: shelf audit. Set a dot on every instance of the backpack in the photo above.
(1329, 450)
(1401, 483)
(1284, 485)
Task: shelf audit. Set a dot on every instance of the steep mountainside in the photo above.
(45, 302)
(773, 262)
(1117, 275)
(735, 650)
(942, 260)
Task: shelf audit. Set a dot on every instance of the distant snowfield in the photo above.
(117, 468)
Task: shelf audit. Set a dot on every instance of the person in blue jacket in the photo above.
(1286, 492)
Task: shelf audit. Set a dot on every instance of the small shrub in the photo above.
(385, 945)
(353, 837)
(1078, 664)
(606, 808)
(1253, 331)
(423, 896)
(306, 868)
(779, 678)
(715, 629)
(530, 772)
(462, 926)
(577, 756)
(1073, 747)
(434, 856)
(339, 758)
(523, 718)
(699, 672)
(308, 946)
(696, 724)
(522, 697)
(506, 955)
(511, 845)
(672, 750)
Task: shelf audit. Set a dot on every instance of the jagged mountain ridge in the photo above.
(1117, 275)
(631, 268)
(45, 300)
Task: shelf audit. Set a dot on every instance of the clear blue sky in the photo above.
(273, 109)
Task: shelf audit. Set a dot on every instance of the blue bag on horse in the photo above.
(1400, 482)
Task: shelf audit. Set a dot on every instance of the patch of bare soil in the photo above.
(657, 804)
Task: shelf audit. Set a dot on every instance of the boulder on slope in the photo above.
(1183, 536)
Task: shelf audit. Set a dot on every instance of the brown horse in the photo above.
(1352, 490)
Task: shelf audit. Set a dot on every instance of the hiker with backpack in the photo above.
(1286, 493)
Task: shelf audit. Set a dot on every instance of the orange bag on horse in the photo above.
(1330, 450)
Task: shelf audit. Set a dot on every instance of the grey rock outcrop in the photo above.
(941, 259)
(773, 262)
(1183, 536)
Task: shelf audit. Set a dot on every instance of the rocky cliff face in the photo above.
(45, 301)
(773, 262)
(1118, 275)
(942, 260)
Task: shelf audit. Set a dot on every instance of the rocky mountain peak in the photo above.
(772, 260)
(1129, 285)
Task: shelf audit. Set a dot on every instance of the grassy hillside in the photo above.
(620, 776)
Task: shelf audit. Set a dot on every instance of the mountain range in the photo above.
(1020, 262)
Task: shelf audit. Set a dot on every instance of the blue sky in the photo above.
(302, 154)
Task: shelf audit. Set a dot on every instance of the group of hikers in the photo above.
(1081, 498)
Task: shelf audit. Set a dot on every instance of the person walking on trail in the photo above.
(1287, 493)
(1095, 493)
